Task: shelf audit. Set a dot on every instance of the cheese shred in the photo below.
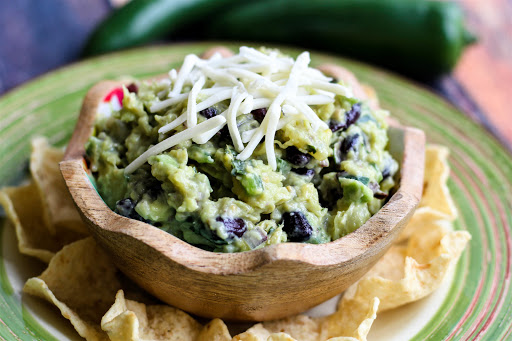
(250, 80)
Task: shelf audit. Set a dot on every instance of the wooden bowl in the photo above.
(268, 283)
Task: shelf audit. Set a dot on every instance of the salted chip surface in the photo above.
(88, 330)
(426, 260)
(59, 209)
(280, 337)
(255, 333)
(24, 210)
(215, 330)
(436, 194)
(436, 202)
(82, 282)
(133, 321)
(300, 327)
(391, 265)
(422, 216)
(352, 321)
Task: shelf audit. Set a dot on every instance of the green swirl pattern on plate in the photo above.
(478, 303)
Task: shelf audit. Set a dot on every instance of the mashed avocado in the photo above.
(326, 181)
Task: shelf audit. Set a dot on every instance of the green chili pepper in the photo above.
(143, 21)
(422, 37)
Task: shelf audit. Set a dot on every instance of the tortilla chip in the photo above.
(132, 321)
(298, 327)
(59, 209)
(215, 330)
(426, 245)
(353, 319)
(426, 260)
(87, 330)
(422, 216)
(81, 281)
(168, 323)
(436, 194)
(120, 323)
(255, 333)
(280, 337)
(23, 207)
(391, 265)
(436, 203)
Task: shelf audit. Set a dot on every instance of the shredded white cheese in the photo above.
(215, 98)
(188, 65)
(247, 105)
(192, 102)
(238, 96)
(186, 134)
(250, 80)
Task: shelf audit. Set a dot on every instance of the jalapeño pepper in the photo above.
(143, 21)
(421, 37)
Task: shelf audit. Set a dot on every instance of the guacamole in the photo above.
(233, 154)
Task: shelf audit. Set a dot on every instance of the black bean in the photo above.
(224, 133)
(336, 125)
(126, 208)
(138, 217)
(386, 172)
(234, 226)
(297, 157)
(296, 226)
(259, 114)
(351, 117)
(304, 171)
(133, 88)
(353, 114)
(349, 143)
(209, 112)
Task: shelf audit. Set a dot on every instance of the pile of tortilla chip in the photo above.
(102, 304)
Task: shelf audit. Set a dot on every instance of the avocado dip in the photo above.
(237, 153)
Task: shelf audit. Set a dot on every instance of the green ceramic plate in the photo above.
(475, 303)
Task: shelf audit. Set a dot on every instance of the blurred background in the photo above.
(40, 36)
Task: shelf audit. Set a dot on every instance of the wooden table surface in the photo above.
(39, 36)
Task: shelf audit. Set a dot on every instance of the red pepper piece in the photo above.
(117, 92)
